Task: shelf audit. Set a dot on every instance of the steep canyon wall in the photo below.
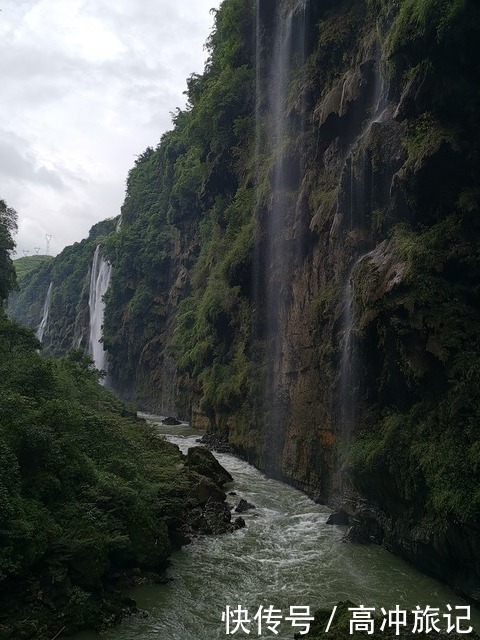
(298, 269)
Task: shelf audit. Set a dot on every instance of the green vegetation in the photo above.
(8, 225)
(430, 452)
(425, 19)
(69, 274)
(87, 491)
(28, 263)
(184, 206)
(421, 441)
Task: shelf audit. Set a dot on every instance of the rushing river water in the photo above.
(286, 556)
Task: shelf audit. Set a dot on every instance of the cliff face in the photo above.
(67, 323)
(297, 265)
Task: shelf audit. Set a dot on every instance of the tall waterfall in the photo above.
(349, 358)
(99, 281)
(280, 128)
(357, 187)
(46, 309)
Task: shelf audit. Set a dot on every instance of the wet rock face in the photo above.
(358, 203)
(387, 221)
(451, 555)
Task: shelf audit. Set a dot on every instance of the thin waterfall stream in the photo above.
(46, 310)
(284, 141)
(357, 209)
(348, 361)
(99, 281)
(286, 556)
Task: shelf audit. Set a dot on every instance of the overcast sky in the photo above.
(86, 85)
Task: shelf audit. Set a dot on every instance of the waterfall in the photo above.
(99, 282)
(280, 129)
(257, 249)
(356, 206)
(46, 308)
(349, 360)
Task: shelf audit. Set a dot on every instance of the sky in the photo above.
(86, 86)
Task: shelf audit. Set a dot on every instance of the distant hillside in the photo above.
(28, 263)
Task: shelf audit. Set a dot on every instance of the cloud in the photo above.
(86, 86)
(18, 162)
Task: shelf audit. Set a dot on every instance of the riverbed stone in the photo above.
(239, 523)
(204, 489)
(217, 517)
(202, 461)
(243, 506)
(338, 517)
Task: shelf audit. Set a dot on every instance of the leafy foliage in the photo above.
(29, 263)
(8, 226)
(184, 206)
(86, 489)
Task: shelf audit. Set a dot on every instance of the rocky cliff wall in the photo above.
(297, 266)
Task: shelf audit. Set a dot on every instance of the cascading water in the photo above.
(99, 281)
(284, 132)
(349, 359)
(46, 309)
(257, 249)
(356, 184)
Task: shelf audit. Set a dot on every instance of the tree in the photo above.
(8, 226)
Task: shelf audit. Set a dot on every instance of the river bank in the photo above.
(285, 556)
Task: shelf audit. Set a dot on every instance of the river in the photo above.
(286, 556)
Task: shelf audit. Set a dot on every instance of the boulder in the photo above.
(204, 462)
(364, 532)
(243, 506)
(216, 442)
(170, 421)
(204, 489)
(217, 517)
(338, 517)
(239, 523)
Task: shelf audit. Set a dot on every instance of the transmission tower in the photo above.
(37, 250)
(48, 237)
(26, 252)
